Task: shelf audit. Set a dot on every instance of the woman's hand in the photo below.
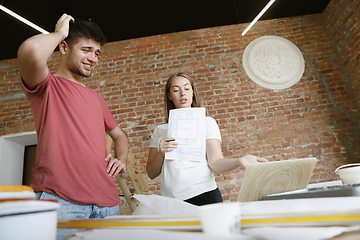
(156, 158)
(167, 145)
(248, 159)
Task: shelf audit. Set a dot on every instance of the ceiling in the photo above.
(128, 19)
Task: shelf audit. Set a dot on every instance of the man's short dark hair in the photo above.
(82, 28)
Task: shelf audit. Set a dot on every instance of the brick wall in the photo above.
(343, 19)
(318, 116)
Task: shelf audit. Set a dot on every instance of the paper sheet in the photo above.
(297, 233)
(275, 208)
(164, 206)
(116, 234)
(187, 125)
(168, 207)
(248, 234)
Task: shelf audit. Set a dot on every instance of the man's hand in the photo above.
(36, 50)
(114, 166)
(62, 25)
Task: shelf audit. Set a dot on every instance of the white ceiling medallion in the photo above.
(273, 62)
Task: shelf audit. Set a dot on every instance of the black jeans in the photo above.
(210, 197)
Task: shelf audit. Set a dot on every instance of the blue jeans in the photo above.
(70, 210)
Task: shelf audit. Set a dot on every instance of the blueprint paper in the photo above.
(187, 126)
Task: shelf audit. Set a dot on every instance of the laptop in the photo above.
(343, 190)
(262, 179)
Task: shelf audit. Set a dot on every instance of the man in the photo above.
(72, 163)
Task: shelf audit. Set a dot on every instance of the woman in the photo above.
(191, 181)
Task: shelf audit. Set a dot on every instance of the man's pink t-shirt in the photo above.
(70, 122)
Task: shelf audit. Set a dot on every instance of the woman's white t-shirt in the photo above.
(185, 179)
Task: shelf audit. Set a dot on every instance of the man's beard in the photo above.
(77, 70)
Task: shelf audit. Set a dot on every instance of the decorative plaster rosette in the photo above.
(273, 62)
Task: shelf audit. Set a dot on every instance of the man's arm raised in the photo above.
(35, 51)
